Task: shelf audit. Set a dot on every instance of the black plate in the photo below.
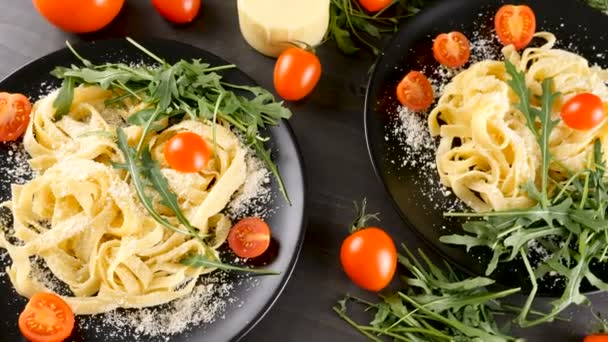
(255, 297)
(576, 26)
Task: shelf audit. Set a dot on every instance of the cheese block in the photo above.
(268, 25)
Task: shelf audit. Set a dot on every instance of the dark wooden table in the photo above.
(329, 128)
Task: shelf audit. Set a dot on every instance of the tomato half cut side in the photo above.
(46, 318)
(15, 112)
(596, 338)
(515, 25)
(583, 111)
(249, 238)
(187, 152)
(452, 49)
(415, 91)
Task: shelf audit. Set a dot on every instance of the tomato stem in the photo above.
(362, 217)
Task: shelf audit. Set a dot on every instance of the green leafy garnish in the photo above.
(436, 305)
(198, 260)
(568, 222)
(350, 24)
(189, 89)
(601, 5)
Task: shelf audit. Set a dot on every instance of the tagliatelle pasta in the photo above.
(486, 152)
(81, 216)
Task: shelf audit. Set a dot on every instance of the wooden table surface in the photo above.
(329, 130)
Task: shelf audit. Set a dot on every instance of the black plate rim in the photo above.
(286, 276)
(368, 110)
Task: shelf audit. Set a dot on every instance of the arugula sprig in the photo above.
(436, 305)
(351, 25)
(569, 223)
(191, 89)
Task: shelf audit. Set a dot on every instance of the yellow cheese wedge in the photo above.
(268, 25)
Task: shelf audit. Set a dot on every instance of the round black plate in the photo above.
(576, 26)
(255, 297)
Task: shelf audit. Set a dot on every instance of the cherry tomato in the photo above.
(187, 152)
(596, 338)
(452, 49)
(177, 11)
(296, 73)
(46, 318)
(415, 91)
(249, 238)
(79, 16)
(375, 5)
(515, 25)
(583, 111)
(369, 258)
(14, 115)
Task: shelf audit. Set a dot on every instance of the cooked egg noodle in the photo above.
(81, 215)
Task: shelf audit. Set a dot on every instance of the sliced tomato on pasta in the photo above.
(415, 91)
(452, 49)
(515, 25)
(250, 237)
(14, 115)
(46, 318)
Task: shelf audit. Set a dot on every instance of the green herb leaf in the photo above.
(64, 98)
(198, 260)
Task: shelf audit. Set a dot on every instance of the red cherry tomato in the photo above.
(249, 238)
(46, 318)
(596, 338)
(583, 111)
(178, 11)
(187, 152)
(14, 115)
(296, 73)
(415, 91)
(452, 49)
(79, 16)
(515, 25)
(369, 258)
(375, 5)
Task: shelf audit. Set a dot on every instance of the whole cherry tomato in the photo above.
(187, 152)
(79, 16)
(583, 111)
(368, 255)
(375, 5)
(296, 73)
(177, 11)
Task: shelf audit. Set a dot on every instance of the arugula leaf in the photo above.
(436, 305)
(63, 101)
(136, 170)
(198, 260)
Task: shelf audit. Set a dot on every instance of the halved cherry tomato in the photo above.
(583, 111)
(375, 5)
(515, 25)
(369, 258)
(46, 318)
(415, 91)
(177, 11)
(14, 115)
(249, 238)
(79, 16)
(187, 152)
(596, 338)
(452, 49)
(296, 73)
